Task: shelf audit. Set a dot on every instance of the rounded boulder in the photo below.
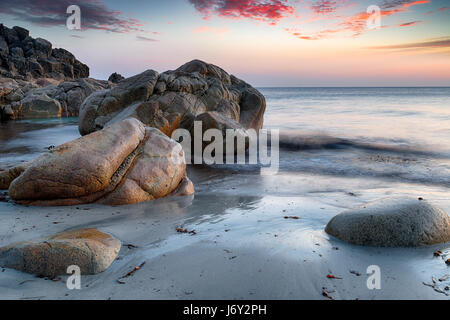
(392, 222)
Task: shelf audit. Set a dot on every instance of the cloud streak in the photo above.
(143, 38)
(270, 11)
(407, 24)
(94, 14)
(355, 25)
(434, 43)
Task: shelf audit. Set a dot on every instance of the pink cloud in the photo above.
(270, 11)
(356, 24)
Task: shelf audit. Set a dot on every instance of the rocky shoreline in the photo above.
(39, 81)
(126, 155)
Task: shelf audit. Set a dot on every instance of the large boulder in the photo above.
(122, 164)
(41, 106)
(175, 99)
(89, 249)
(392, 222)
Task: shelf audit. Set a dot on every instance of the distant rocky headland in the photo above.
(39, 81)
(25, 58)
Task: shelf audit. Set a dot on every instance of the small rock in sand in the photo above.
(93, 251)
(392, 222)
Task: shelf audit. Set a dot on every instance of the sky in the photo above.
(268, 43)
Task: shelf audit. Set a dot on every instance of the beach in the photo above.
(243, 248)
(252, 236)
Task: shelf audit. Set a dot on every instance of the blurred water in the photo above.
(401, 134)
(393, 133)
(24, 140)
(413, 116)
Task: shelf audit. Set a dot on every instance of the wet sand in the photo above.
(243, 247)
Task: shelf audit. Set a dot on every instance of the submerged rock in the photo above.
(8, 176)
(175, 99)
(392, 222)
(122, 164)
(91, 250)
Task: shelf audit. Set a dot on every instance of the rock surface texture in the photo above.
(63, 100)
(392, 222)
(91, 250)
(124, 163)
(175, 99)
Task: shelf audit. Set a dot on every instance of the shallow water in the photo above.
(24, 140)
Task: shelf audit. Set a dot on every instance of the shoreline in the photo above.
(243, 247)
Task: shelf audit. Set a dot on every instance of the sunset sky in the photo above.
(265, 42)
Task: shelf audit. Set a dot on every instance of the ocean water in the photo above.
(398, 134)
(398, 116)
(401, 134)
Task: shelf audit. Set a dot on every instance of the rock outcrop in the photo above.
(37, 81)
(175, 99)
(124, 163)
(25, 58)
(392, 222)
(89, 249)
(63, 100)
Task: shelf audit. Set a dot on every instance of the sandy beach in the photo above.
(243, 247)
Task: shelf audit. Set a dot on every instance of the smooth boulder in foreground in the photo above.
(392, 222)
(124, 163)
(89, 249)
